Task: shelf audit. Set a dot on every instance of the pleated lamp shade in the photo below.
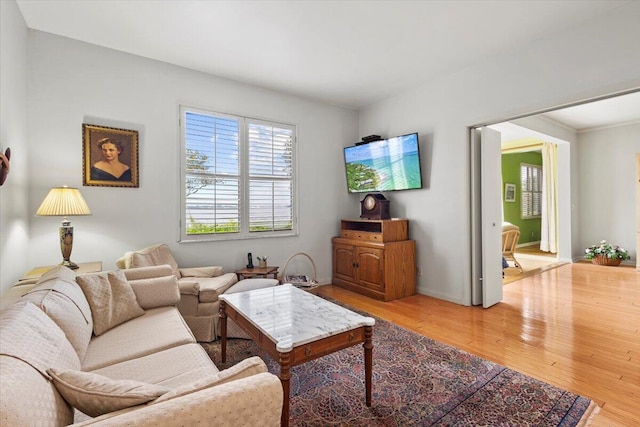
(63, 201)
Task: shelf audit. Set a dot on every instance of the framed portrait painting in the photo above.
(109, 156)
(509, 192)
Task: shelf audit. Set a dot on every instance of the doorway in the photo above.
(582, 117)
(529, 170)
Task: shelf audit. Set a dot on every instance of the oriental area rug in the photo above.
(416, 382)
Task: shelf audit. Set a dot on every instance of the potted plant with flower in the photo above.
(262, 261)
(606, 254)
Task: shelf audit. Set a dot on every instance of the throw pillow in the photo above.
(95, 394)
(111, 299)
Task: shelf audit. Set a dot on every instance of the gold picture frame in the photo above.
(109, 156)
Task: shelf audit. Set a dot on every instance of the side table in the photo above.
(83, 267)
(247, 273)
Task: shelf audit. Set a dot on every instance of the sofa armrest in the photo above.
(154, 286)
(189, 287)
(256, 400)
(213, 271)
(156, 291)
(147, 272)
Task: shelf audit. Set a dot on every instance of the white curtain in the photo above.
(549, 232)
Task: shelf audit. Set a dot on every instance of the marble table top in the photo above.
(293, 317)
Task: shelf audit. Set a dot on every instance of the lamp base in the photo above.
(70, 264)
(66, 244)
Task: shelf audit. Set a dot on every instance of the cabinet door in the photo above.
(343, 262)
(370, 268)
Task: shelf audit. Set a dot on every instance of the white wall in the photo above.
(596, 58)
(608, 186)
(14, 242)
(71, 82)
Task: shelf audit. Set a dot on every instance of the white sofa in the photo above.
(62, 348)
(199, 290)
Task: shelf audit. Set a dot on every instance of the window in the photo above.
(237, 177)
(531, 196)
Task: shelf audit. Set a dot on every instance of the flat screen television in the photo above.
(386, 165)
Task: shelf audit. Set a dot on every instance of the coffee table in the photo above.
(294, 327)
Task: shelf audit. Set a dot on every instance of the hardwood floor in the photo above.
(576, 326)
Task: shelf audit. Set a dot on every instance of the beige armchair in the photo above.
(510, 236)
(199, 290)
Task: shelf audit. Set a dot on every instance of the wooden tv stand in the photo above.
(375, 258)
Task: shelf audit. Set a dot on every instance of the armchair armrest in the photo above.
(189, 287)
(256, 400)
(213, 271)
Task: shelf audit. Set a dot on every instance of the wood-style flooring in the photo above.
(576, 326)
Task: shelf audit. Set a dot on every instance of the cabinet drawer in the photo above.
(361, 235)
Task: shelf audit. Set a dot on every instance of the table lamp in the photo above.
(64, 201)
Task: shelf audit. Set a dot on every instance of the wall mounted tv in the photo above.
(386, 165)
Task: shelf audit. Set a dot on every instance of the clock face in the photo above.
(369, 202)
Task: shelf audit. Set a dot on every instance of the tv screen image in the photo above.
(387, 165)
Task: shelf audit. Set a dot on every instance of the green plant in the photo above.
(361, 177)
(606, 249)
(195, 227)
(263, 259)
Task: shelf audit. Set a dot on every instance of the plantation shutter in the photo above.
(237, 177)
(212, 178)
(531, 194)
(270, 176)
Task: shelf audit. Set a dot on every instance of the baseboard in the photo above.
(524, 245)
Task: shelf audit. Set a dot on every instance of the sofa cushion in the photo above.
(28, 334)
(111, 299)
(158, 329)
(64, 302)
(212, 287)
(59, 272)
(16, 291)
(27, 398)
(95, 394)
(246, 368)
(172, 368)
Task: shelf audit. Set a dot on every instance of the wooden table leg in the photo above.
(368, 361)
(285, 377)
(223, 330)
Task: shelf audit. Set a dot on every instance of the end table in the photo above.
(247, 273)
(83, 267)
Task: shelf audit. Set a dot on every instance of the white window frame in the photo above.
(527, 212)
(244, 177)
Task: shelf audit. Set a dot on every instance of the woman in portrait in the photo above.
(110, 168)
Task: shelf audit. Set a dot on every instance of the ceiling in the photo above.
(348, 53)
(606, 112)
